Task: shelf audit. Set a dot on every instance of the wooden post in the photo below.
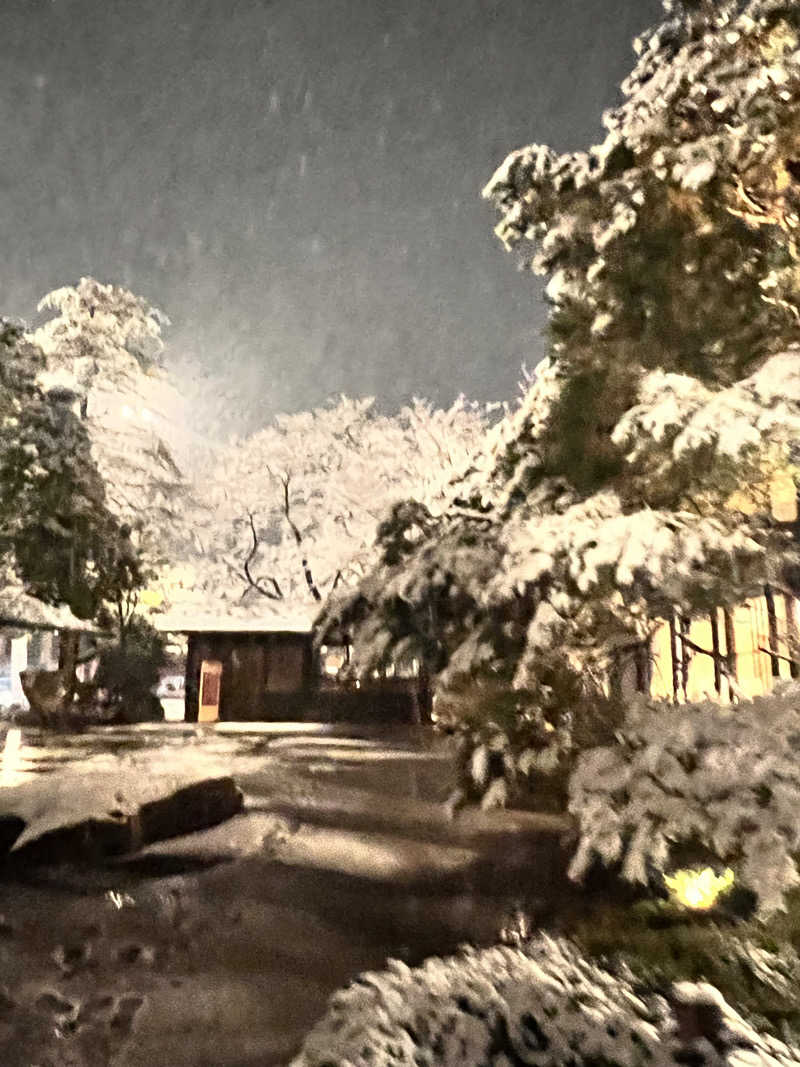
(715, 647)
(192, 681)
(791, 634)
(643, 667)
(69, 642)
(730, 648)
(674, 658)
(772, 622)
(683, 627)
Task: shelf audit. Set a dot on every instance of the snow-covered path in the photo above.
(221, 947)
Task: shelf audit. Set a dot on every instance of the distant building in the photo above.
(244, 668)
(29, 637)
(268, 669)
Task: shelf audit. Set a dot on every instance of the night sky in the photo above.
(296, 183)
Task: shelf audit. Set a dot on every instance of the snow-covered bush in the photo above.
(504, 743)
(542, 1005)
(724, 779)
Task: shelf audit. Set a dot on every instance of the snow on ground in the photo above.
(221, 947)
(380, 857)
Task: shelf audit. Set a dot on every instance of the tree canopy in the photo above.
(58, 533)
(605, 501)
(289, 513)
(105, 344)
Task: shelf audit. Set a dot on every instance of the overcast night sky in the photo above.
(296, 183)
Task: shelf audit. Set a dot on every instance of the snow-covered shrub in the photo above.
(504, 742)
(777, 973)
(542, 1005)
(725, 779)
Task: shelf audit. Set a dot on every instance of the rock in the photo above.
(193, 807)
(45, 691)
(11, 827)
(91, 840)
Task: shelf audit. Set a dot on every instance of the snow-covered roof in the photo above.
(198, 622)
(20, 609)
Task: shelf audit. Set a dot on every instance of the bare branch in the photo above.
(360, 506)
(469, 513)
(275, 593)
(309, 577)
(721, 661)
(442, 447)
(297, 536)
(777, 655)
(312, 585)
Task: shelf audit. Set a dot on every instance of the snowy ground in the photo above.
(222, 947)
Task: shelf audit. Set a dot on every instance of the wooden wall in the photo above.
(754, 643)
(264, 676)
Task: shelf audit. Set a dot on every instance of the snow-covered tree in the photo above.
(290, 512)
(606, 501)
(100, 370)
(57, 527)
(59, 540)
(104, 343)
(100, 330)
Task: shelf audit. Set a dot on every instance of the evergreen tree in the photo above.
(129, 671)
(58, 535)
(66, 544)
(605, 501)
(105, 343)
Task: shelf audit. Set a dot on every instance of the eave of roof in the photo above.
(187, 623)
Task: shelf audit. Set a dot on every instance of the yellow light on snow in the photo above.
(151, 598)
(698, 889)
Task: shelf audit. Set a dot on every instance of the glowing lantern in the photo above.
(698, 890)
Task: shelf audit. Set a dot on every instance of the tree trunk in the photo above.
(68, 652)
